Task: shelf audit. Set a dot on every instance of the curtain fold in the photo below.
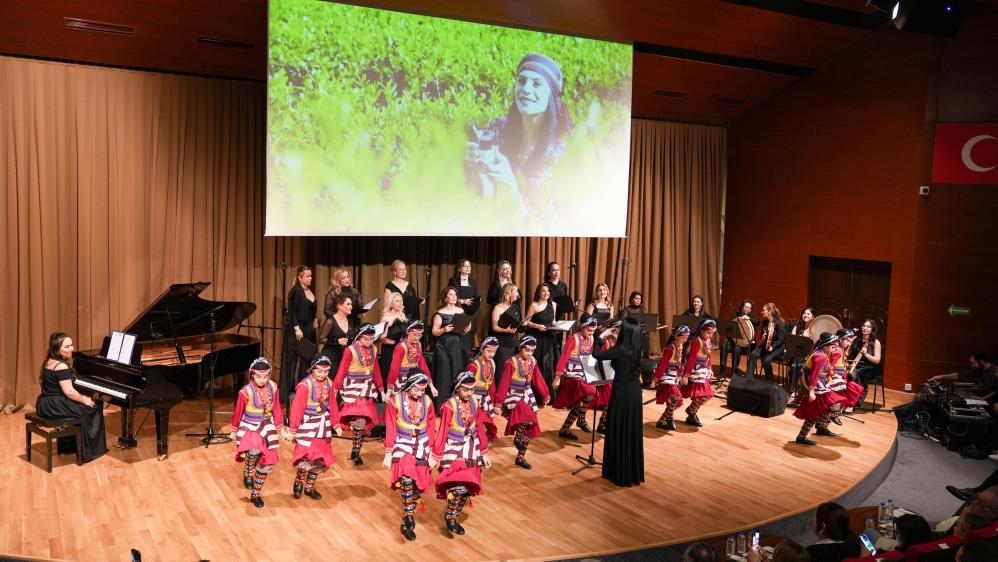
(118, 183)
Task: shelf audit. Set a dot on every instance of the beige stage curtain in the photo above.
(118, 183)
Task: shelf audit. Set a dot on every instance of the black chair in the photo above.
(875, 382)
(52, 428)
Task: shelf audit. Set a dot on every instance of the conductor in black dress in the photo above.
(623, 450)
(60, 399)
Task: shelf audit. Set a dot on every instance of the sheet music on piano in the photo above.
(122, 347)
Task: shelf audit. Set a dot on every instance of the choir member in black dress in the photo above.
(539, 319)
(60, 399)
(634, 305)
(696, 308)
(771, 346)
(506, 336)
(623, 450)
(341, 330)
(744, 312)
(302, 324)
(503, 276)
(395, 330)
(467, 298)
(399, 284)
(342, 284)
(601, 305)
(556, 286)
(448, 359)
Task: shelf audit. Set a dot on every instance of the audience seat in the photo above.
(942, 550)
(885, 555)
(988, 533)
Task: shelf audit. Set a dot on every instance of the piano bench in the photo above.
(52, 428)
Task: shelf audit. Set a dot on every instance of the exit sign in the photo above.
(958, 310)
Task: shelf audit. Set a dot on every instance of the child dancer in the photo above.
(408, 355)
(460, 448)
(852, 391)
(359, 378)
(409, 435)
(484, 369)
(521, 377)
(667, 377)
(819, 402)
(574, 393)
(255, 420)
(313, 417)
(698, 373)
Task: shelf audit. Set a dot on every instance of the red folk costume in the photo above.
(485, 391)
(460, 447)
(257, 419)
(313, 415)
(358, 383)
(667, 377)
(409, 438)
(818, 411)
(521, 378)
(574, 393)
(840, 382)
(405, 357)
(698, 372)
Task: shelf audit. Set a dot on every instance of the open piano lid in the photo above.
(180, 312)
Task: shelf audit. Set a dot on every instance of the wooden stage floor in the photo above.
(732, 474)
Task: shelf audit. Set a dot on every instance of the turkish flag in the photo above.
(965, 153)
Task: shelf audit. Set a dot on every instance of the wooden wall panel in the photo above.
(832, 166)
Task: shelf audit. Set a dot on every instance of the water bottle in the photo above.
(890, 508)
(882, 516)
(730, 546)
(740, 548)
(889, 530)
(870, 525)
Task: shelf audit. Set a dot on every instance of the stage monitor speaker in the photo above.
(756, 397)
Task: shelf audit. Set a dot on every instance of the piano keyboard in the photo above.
(102, 389)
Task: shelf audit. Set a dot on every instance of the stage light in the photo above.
(938, 17)
(894, 12)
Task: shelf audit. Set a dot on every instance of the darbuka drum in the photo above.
(747, 331)
(824, 323)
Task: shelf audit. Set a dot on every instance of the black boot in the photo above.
(257, 502)
(568, 435)
(823, 431)
(581, 424)
(694, 421)
(355, 457)
(836, 421)
(963, 494)
(408, 529)
(454, 527)
(248, 482)
(314, 494)
(523, 462)
(804, 441)
(297, 489)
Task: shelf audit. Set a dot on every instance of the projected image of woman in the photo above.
(519, 150)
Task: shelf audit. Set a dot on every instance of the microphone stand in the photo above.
(209, 437)
(623, 284)
(590, 461)
(426, 310)
(286, 364)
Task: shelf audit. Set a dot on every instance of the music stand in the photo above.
(687, 320)
(595, 377)
(731, 331)
(796, 348)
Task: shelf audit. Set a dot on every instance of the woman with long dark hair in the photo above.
(519, 150)
(60, 399)
(448, 358)
(467, 298)
(339, 330)
(868, 351)
(697, 308)
(540, 319)
(623, 450)
(803, 325)
(302, 323)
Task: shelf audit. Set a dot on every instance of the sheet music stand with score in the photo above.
(596, 377)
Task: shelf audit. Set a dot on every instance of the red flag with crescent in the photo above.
(965, 153)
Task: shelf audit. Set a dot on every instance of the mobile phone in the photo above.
(755, 539)
(869, 545)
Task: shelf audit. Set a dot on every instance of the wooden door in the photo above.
(851, 290)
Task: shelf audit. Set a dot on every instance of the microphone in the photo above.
(573, 265)
(427, 273)
(284, 266)
(624, 260)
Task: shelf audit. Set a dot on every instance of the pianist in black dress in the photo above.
(623, 449)
(60, 399)
(302, 322)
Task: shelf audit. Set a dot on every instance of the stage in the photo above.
(737, 473)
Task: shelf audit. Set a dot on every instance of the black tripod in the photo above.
(590, 461)
(209, 437)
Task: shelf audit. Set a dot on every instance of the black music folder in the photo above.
(507, 320)
(565, 304)
(460, 322)
(649, 322)
(689, 320)
(305, 348)
(472, 309)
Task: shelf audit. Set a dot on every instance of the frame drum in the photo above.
(824, 323)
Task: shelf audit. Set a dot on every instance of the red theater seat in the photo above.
(942, 550)
(987, 533)
(886, 555)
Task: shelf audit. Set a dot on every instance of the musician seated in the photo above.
(60, 399)
(982, 375)
(732, 346)
(771, 347)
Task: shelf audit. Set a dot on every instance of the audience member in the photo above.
(911, 529)
(836, 541)
(977, 551)
(699, 552)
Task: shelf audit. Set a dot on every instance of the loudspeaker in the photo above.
(756, 397)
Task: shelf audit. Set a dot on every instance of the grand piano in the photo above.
(178, 357)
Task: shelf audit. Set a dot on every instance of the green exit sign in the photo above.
(958, 310)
